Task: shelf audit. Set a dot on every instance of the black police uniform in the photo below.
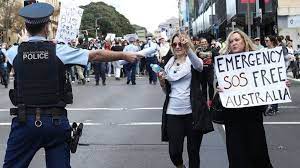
(41, 92)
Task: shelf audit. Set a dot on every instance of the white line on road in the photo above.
(134, 109)
(157, 123)
(281, 123)
(99, 124)
(103, 109)
(140, 124)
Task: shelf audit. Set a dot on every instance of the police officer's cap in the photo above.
(37, 13)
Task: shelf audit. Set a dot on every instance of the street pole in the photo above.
(258, 14)
(248, 18)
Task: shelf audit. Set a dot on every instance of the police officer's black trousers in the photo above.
(4, 74)
(179, 126)
(99, 68)
(152, 74)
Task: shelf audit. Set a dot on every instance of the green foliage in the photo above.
(137, 27)
(109, 20)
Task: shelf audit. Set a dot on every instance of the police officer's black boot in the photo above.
(97, 83)
(103, 83)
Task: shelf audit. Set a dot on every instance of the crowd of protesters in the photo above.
(187, 64)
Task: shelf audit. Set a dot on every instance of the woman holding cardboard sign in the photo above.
(185, 111)
(245, 134)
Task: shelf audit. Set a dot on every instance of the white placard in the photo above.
(69, 23)
(129, 36)
(252, 78)
(110, 37)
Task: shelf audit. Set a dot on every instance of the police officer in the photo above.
(40, 94)
(151, 59)
(130, 68)
(3, 67)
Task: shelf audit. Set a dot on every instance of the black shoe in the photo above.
(83, 81)
(150, 82)
(127, 82)
(133, 83)
(103, 83)
(97, 83)
(6, 86)
(118, 79)
(154, 83)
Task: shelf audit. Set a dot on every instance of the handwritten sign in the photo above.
(131, 37)
(252, 78)
(69, 23)
(110, 37)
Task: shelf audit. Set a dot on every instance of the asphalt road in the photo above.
(122, 129)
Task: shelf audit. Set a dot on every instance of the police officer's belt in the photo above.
(51, 111)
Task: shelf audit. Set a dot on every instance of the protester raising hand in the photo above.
(185, 40)
(181, 84)
(23, 36)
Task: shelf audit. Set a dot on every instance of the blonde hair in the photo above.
(249, 45)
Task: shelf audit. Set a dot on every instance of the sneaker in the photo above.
(73, 82)
(127, 82)
(133, 83)
(88, 79)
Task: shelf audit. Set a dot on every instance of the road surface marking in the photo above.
(155, 124)
(133, 109)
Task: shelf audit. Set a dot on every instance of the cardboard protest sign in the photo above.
(131, 37)
(110, 37)
(252, 78)
(69, 23)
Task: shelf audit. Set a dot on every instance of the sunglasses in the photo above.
(174, 45)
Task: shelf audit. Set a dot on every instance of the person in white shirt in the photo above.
(185, 111)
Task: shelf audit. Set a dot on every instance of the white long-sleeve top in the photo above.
(179, 77)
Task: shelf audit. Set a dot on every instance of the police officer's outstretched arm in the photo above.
(107, 56)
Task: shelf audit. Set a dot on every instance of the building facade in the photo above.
(289, 20)
(9, 33)
(170, 26)
(216, 18)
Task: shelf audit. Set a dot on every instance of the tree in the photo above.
(108, 20)
(10, 19)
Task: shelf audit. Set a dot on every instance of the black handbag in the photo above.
(217, 110)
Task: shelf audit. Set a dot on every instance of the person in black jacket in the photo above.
(245, 135)
(185, 112)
